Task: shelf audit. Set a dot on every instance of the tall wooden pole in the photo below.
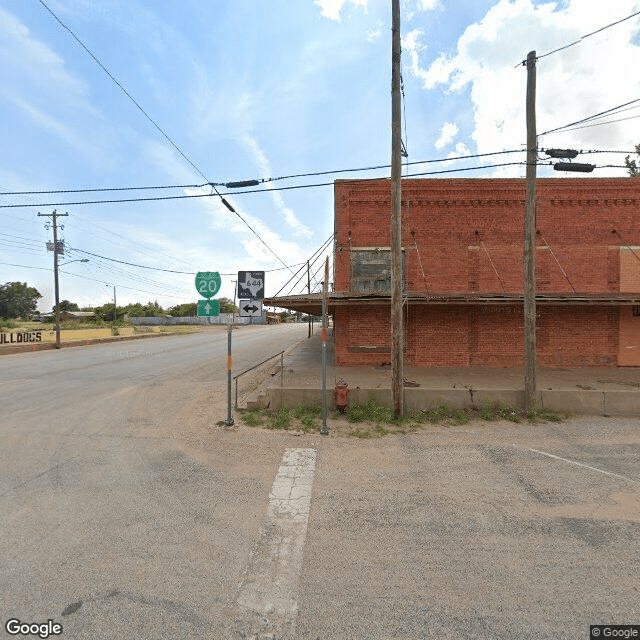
(309, 293)
(397, 340)
(530, 364)
(54, 217)
(324, 430)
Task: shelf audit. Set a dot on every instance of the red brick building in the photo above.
(463, 272)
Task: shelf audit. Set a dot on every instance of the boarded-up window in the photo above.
(371, 270)
(629, 269)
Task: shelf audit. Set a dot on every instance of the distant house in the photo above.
(68, 315)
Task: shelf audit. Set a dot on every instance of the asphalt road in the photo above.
(128, 513)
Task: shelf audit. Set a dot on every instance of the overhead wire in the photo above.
(310, 263)
(588, 35)
(248, 191)
(264, 180)
(146, 249)
(317, 251)
(599, 124)
(595, 116)
(159, 128)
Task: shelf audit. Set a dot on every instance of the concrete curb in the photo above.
(47, 346)
(602, 403)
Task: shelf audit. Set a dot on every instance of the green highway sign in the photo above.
(208, 308)
(207, 284)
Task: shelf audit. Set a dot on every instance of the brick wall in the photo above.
(467, 235)
(485, 335)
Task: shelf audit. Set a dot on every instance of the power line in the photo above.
(135, 102)
(27, 266)
(588, 35)
(262, 180)
(157, 126)
(141, 266)
(592, 117)
(250, 191)
(98, 189)
(151, 293)
(599, 124)
(131, 264)
(209, 195)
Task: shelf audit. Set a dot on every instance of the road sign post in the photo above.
(208, 284)
(229, 368)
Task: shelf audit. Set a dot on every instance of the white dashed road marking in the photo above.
(269, 586)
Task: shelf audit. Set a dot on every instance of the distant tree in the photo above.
(632, 165)
(65, 305)
(151, 309)
(286, 316)
(227, 306)
(105, 312)
(17, 300)
(184, 310)
(154, 309)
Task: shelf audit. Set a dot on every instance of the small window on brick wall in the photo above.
(371, 269)
(635, 311)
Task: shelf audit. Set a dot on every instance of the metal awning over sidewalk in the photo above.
(312, 303)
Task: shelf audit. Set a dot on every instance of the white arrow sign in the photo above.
(250, 308)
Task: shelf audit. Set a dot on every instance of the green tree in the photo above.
(105, 312)
(17, 300)
(632, 165)
(184, 310)
(65, 305)
(227, 306)
(151, 309)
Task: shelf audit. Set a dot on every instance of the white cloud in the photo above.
(331, 8)
(461, 150)
(427, 5)
(438, 72)
(374, 34)
(577, 82)
(264, 165)
(447, 134)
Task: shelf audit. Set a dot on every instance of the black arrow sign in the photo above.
(248, 308)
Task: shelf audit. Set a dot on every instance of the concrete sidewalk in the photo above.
(579, 390)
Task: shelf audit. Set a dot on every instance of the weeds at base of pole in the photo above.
(374, 420)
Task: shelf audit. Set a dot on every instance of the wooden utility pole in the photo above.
(397, 340)
(530, 364)
(54, 217)
(309, 294)
(324, 430)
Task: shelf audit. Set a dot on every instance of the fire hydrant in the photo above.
(342, 395)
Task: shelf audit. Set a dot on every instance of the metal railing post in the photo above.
(275, 355)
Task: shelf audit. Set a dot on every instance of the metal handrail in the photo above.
(281, 354)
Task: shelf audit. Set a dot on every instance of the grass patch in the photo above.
(370, 411)
(281, 419)
(374, 420)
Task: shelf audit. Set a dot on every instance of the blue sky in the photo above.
(249, 89)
